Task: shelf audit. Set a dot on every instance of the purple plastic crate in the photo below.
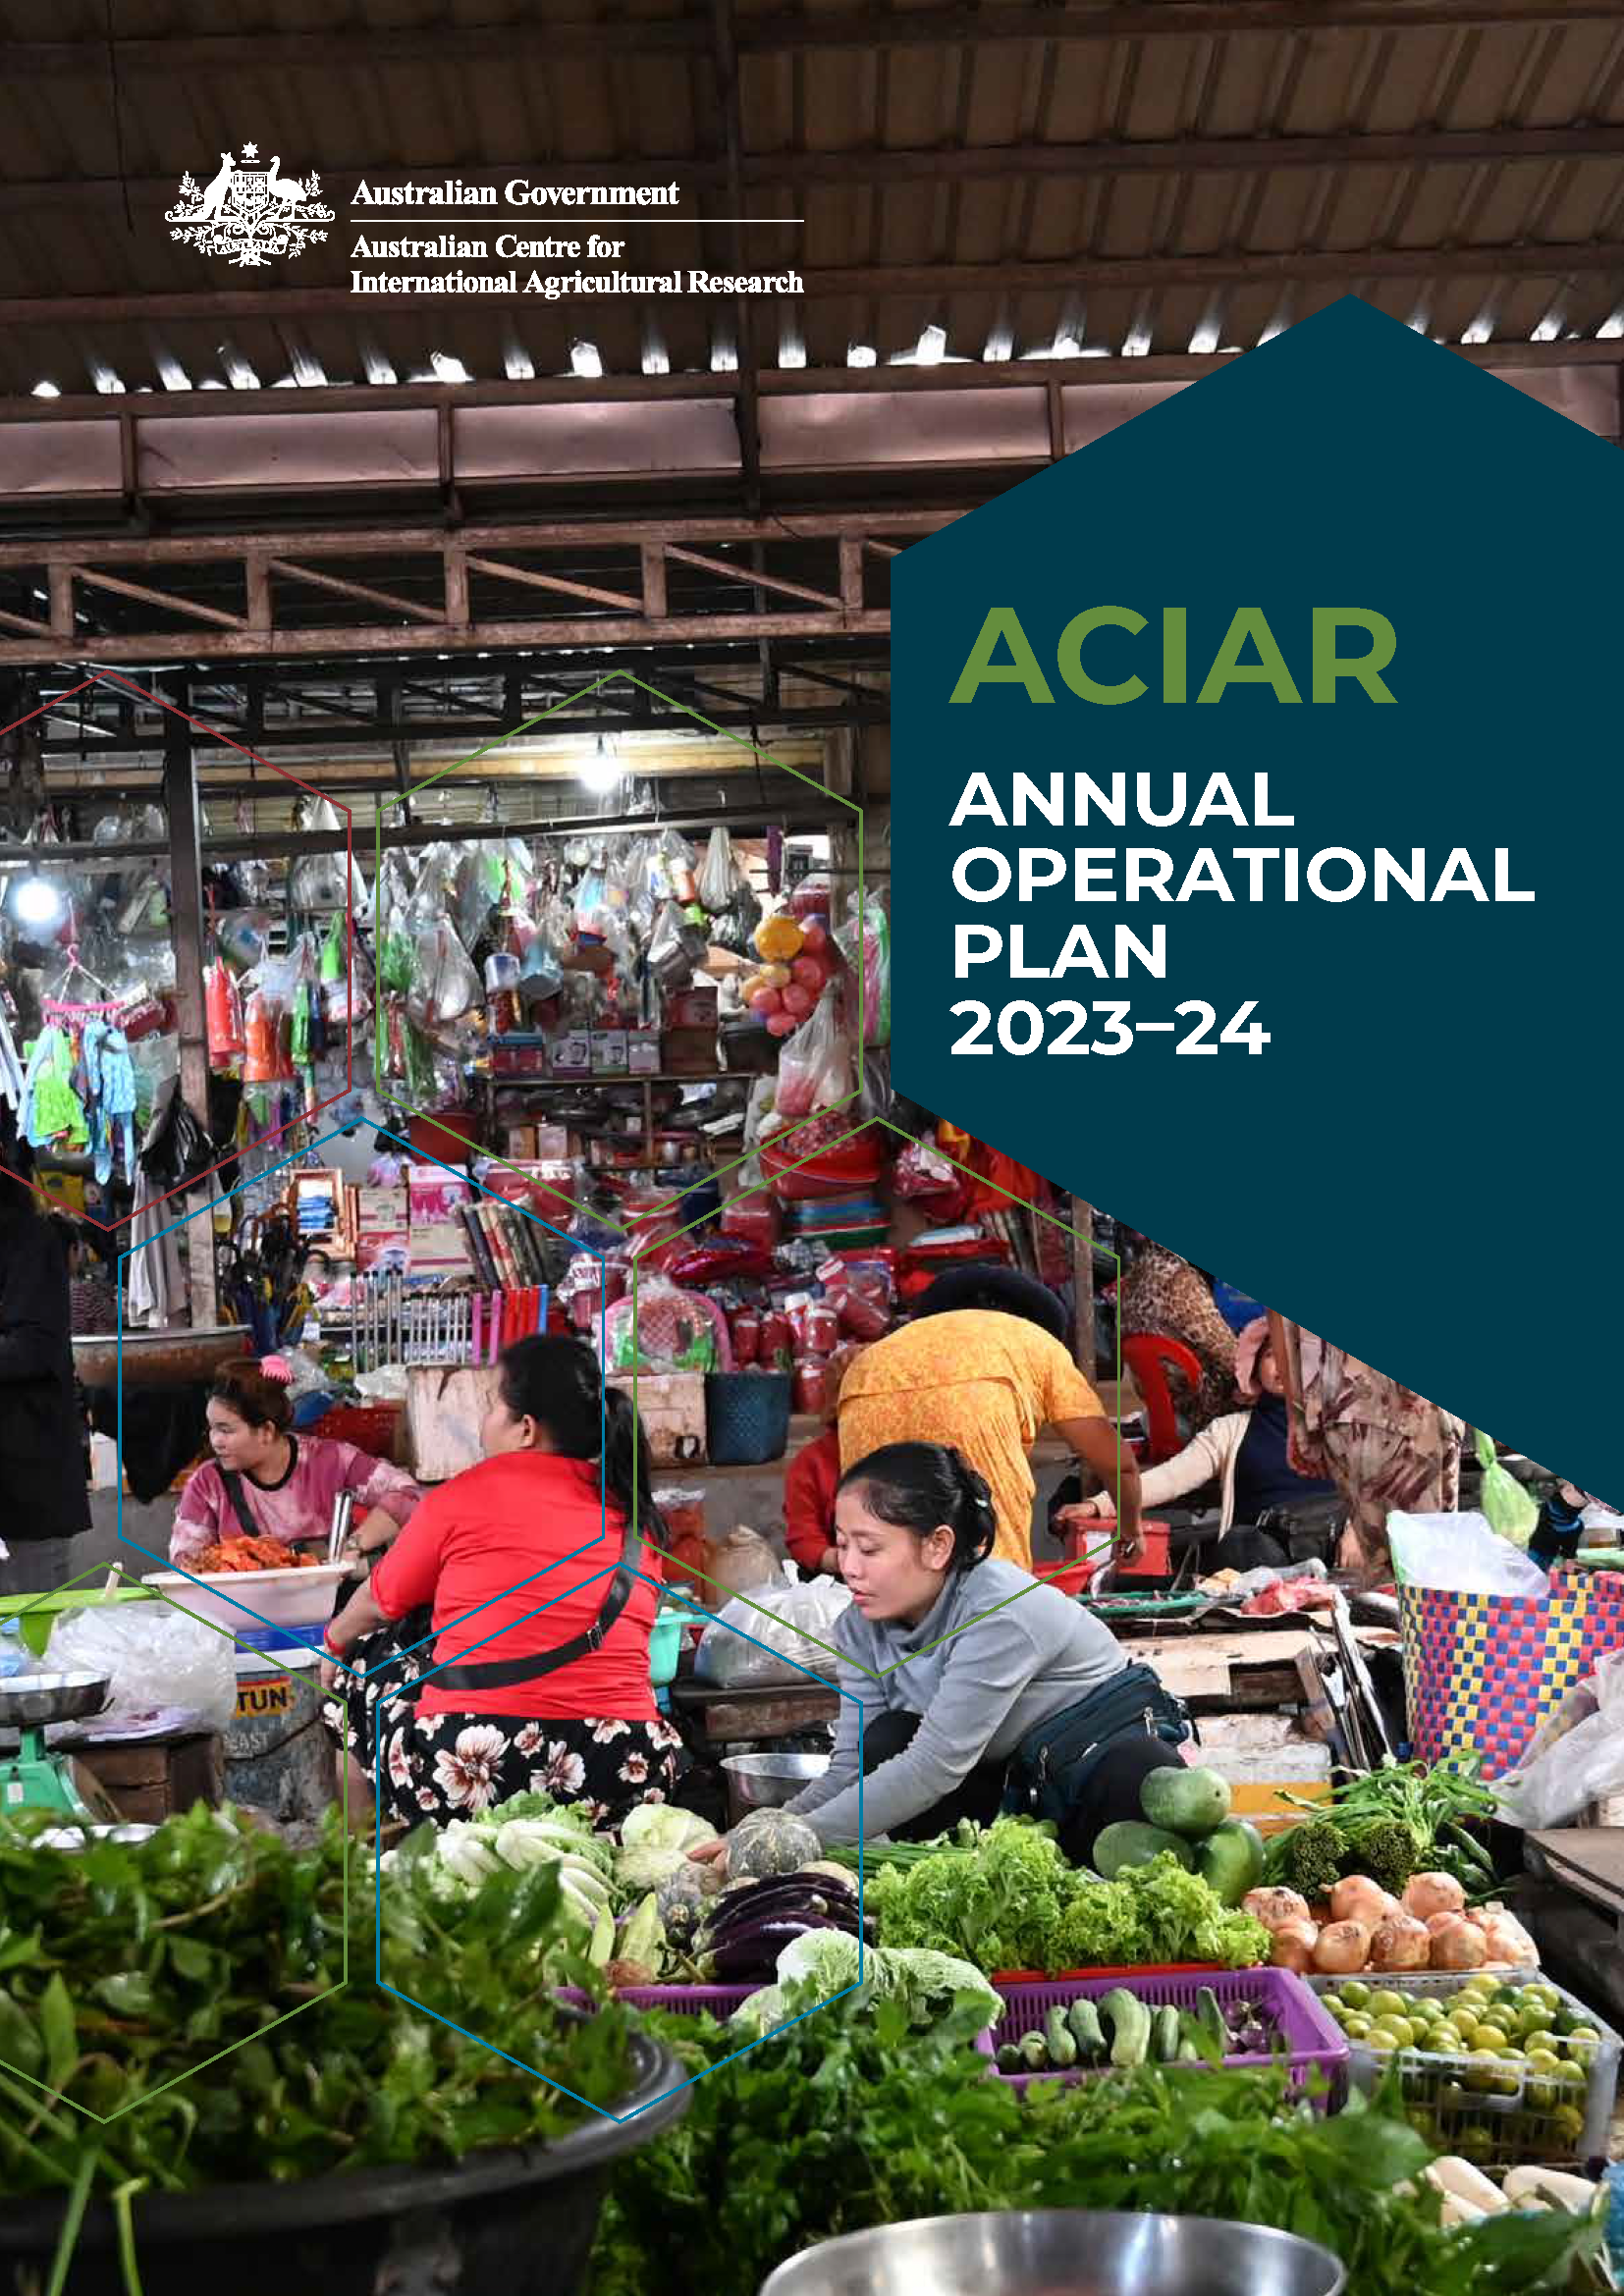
(1313, 2042)
(683, 2001)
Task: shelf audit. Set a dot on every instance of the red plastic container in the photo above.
(1310, 2041)
(370, 1427)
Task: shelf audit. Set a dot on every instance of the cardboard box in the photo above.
(439, 1247)
(571, 1052)
(688, 1052)
(692, 1008)
(609, 1052)
(672, 1407)
(518, 1142)
(642, 1051)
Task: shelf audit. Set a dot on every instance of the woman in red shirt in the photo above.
(515, 1558)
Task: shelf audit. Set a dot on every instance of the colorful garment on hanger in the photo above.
(52, 1111)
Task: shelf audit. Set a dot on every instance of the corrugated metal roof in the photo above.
(1133, 177)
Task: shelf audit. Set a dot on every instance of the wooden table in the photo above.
(775, 1710)
(1588, 1860)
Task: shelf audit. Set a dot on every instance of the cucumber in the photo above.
(1084, 2019)
(1188, 2054)
(1210, 2016)
(1196, 2040)
(1164, 2036)
(1130, 2023)
(1034, 2051)
(1010, 2058)
(1060, 2039)
(1183, 1800)
(1129, 1843)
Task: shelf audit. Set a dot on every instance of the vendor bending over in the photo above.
(267, 1483)
(995, 1690)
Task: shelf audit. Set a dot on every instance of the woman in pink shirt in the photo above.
(284, 1485)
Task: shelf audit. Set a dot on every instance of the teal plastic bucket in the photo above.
(665, 1645)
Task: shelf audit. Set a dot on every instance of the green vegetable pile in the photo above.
(1391, 1823)
(1012, 1902)
(127, 1970)
(883, 2125)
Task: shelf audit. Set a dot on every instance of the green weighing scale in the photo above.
(35, 1778)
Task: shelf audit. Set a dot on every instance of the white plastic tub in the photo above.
(236, 1599)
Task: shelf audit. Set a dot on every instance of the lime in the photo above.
(1357, 2029)
(1380, 2040)
(1541, 2041)
(1571, 2076)
(1485, 2036)
(1582, 2038)
(1474, 2144)
(1498, 2013)
(1357, 1994)
(1387, 2003)
(1568, 2123)
(1332, 2001)
(1482, 2071)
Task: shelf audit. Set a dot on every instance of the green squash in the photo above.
(769, 1841)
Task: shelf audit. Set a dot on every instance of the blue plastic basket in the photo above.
(746, 1416)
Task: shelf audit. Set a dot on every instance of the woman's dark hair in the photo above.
(922, 1487)
(997, 1290)
(557, 1382)
(258, 1401)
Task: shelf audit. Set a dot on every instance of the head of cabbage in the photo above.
(655, 1842)
(825, 1961)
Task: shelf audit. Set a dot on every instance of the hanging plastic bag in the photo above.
(815, 1067)
(674, 948)
(1511, 1511)
(177, 1151)
(864, 942)
(224, 1010)
(444, 986)
(734, 930)
(719, 877)
(673, 873)
(317, 881)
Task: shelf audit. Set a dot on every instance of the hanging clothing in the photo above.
(1164, 1297)
(51, 1109)
(157, 1288)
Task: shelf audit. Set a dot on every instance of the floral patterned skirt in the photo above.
(444, 1766)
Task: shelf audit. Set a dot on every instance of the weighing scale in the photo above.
(34, 1777)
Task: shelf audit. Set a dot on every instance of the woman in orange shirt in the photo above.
(527, 1686)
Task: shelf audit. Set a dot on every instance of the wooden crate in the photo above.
(672, 1407)
(149, 1779)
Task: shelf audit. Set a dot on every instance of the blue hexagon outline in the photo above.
(208, 1209)
(519, 2063)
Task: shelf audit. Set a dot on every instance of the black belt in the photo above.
(501, 1673)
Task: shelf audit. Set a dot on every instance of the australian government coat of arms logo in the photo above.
(247, 211)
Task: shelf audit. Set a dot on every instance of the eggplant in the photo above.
(750, 1951)
(786, 1896)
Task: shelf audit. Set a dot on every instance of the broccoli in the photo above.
(1385, 1849)
(1311, 1859)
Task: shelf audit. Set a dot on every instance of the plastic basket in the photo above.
(1312, 2040)
(1503, 2130)
(1204, 1969)
(746, 1416)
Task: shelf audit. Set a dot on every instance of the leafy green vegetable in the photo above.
(1390, 1822)
(884, 2125)
(1014, 1903)
(200, 1977)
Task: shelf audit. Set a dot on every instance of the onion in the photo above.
(1427, 1894)
(1359, 1899)
(1400, 1942)
(1273, 1907)
(1341, 1948)
(1505, 1939)
(1292, 1945)
(1456, 1945)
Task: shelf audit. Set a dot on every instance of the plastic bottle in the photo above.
(15, 1655)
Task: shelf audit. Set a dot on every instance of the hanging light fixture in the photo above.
(36, 901)
(602, 769)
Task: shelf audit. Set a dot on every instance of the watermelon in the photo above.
(1130, 1844)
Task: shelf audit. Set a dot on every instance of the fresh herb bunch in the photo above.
(884, 2125)
(1402, 1819)
(1014, 1903)
(128, 1969)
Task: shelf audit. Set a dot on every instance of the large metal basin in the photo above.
(766, 1781)
(159, 1358)
(1063, 2252)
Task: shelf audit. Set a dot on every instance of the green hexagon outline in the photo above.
(151, 2096)
(766, 755)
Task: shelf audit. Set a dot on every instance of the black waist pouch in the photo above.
(1054, 1762)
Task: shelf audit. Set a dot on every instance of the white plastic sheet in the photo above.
(763, 1638)
(1570, 1763)
(1462, 1553)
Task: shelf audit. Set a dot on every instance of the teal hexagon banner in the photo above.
(1254, 804)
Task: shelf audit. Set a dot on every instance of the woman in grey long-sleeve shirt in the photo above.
(952, 1659)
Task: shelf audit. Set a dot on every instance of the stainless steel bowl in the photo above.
(1063, 2252)
(766, 1781)
(27, 1701)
